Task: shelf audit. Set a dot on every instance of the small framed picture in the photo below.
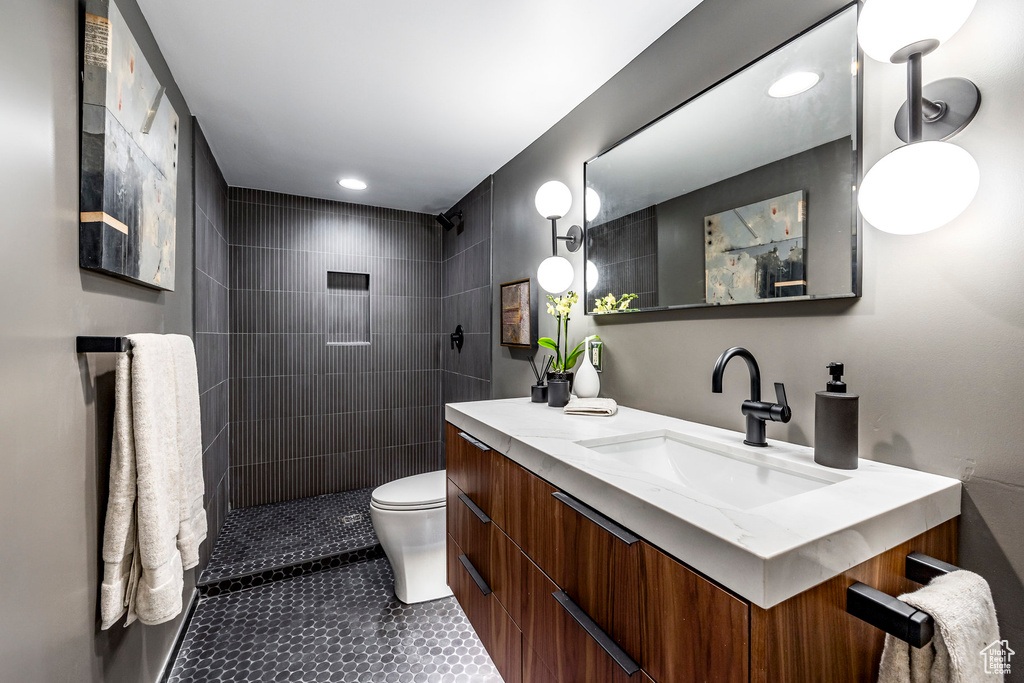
(516, 319)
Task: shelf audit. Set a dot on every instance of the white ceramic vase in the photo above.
(587, 383)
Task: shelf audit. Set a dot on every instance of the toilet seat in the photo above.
(418, 492)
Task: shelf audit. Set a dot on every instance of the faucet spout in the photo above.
(755, 372)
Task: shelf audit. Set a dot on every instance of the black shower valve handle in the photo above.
(457, 337)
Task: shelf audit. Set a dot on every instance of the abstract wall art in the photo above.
(129, 163)
(516, 327)
(757, 251)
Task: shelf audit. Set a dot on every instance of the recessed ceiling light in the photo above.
(352, 184)
(794, 84)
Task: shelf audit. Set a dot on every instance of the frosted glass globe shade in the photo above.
(593, 203)
(555, 274)
(553, 199)
(591, 276)
(887, 26)
(919, 187)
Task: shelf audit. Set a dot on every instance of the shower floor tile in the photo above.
(337, 625)
(268, 537)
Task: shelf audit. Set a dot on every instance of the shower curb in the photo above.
(241, 582)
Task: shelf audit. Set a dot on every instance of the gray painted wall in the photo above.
(213, 333)
(308, 417)
(933, 347)
(824, 173)
(56, 406)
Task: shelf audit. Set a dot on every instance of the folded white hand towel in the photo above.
(965, 625)
(590, 406)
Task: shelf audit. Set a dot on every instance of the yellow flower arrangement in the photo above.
(608, 304)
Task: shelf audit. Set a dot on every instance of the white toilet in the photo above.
(409, 517)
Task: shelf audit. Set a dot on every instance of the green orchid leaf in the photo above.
(548, 343)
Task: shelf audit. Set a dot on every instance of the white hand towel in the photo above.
(142, 565)
(192, 530)
(965, 624)
(590, 406)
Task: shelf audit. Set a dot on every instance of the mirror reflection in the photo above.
(744, 194)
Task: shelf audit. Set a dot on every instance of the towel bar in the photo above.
(895, 616)
(102, 344)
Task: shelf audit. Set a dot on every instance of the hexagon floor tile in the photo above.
(343, 624)
(263, 537)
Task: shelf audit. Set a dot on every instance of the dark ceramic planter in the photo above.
(558, 393)
(562, 375)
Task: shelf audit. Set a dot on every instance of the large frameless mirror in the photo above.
(744, 194)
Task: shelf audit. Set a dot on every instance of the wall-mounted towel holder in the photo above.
(895, 616)
(102, 344)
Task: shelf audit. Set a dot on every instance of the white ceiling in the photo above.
(736, 126)
(422, 100)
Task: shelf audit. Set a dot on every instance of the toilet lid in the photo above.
(412, 492)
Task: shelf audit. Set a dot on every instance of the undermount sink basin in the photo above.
(736, 476)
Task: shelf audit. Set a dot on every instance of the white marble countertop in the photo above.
(765, 554)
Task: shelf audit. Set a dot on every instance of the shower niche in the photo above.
(348, 309)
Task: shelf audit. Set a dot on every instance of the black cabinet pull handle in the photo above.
(889, 614)
(921, 568)
(597, 633)
(481, 515)
(475, 575)
(479, 444)
(597, 518)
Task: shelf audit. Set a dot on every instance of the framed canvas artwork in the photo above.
(129, 164)
(757, 251)
(516, 327)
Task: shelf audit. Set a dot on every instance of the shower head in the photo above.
(445, 219)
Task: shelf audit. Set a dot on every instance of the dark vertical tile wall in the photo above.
(626, 251)
(311, 417)
(212, 332)
(466, 298)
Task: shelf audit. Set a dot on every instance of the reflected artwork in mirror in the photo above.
(744, 194)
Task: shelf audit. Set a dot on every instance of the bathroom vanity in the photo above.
(644, 548)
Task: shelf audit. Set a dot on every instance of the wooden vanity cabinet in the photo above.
(495, 628)
(618, 595)
(692, 630)
(557, 640)
(594, 560)
(478, 471)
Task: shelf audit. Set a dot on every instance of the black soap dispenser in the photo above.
(836, 418)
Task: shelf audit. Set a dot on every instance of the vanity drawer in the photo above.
(495, 628)
(477, 470)
(595, 561)
(535, 670)
(492, 553)
(692, 630)
(564, 649)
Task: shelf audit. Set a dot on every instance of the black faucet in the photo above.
(756, 410)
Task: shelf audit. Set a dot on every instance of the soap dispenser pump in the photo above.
(836, 418)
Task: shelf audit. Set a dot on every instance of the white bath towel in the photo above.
(143, 571)
(965, 625)
(192, 529)
(590, 406)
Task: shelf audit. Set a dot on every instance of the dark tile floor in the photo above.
(265, 537)
(337, 625)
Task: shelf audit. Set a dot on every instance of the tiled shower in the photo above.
(336, 327)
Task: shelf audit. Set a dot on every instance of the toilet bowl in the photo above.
(408, 515)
